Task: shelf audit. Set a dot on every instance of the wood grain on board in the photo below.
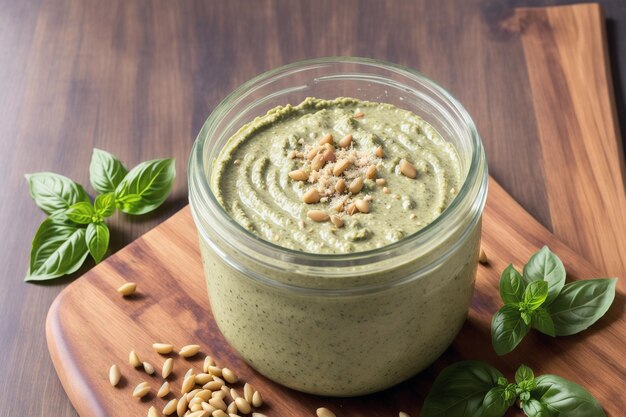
(90, 326)
(581, 148)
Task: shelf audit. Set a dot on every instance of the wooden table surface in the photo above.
(138, 79)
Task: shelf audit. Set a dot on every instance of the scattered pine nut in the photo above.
(407, 169)
(248, 392)
(317, 163)
(242, 405)
(311, 197)
(324, 412)
(345, 141)
(356, 185)
(148, 368)
(114, 375)
(163, 348)
(181, 407)
(212, 385)
(340, 186)
(188, 383)
(317, 215)
(133, 359)
(218, 403)
(170, 407)
(403, 414)
(189, 372)
(363, 206)
(216, 371)
(358, 115)
(219, 413)
(189, 351)
(164, 390)
(152, 412)
(232, 409)
(234, 394)
(258, 415)
(127, 289)
(221, 394)
(195, 401)
(205, 394)
(208, 361)
(379, 152)
(168, 365)
(352, 209)
(337, 221)
(371, 172)
(341, 166)
(381, 181)
(298, 175)
(200, 413)
(482, 257)
(386, 190)
(191, 394)
(329, 155)
(412, 216)
(229, 376)
(202, 379)
(312, 153)
(257, 399)
(328, 138)
(208, 407)
(141, 390)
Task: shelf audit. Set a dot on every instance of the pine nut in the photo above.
(340, 186)
(141, 390)
(407, 169)
(363, 206)
(212, 385)
(482, 257)
(164, 390)
(257, 399)
(298, 175)
(191, 394)
(258, 415)
(163, 348)
(148, 368)
(311, 197)
(194, 408)
(189, 372)
(232, 409)
(352, 209)
(381, 181)
(114, 375)
(221, 393)
(199, 413)
(234, 394)
(248, 392)
(328, 138)
(168, 365)
(208, 407)
(219, 413)
(341, 166)
(356, 185)
(329, 155)
(345, 141)
(188, 384)
(386, 190)
(195, 401)
(170, 407)
(181, 407)
(324, 412)
(127, 289)
(337, 221)
(371, 172)
(379, 152)
(152, 412)
(242, 405)
(208, 361)
(358, 115)
(312, 153)
(403, 414)
(218, 403)
(133, 359)
(202, 379)
(189, 351)
(317, 163)
(317, 215)
(216, 371)
(205, 394)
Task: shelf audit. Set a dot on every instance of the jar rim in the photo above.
(199, 182)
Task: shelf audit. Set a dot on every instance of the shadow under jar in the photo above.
(341, 324)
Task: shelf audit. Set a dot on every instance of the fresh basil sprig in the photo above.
(540, 299)
(476, 389)
(75, 227)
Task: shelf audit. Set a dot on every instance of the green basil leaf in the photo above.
(81, 212)
(105, 171)
(545, 266)
(565, 398)
(104, 205)
(57, 249)
(97, 238)
(524, 373)
(542, 321)
(507, 329)
(535, 294)
(54, 193)
(151, 181)
(534, 408)
(511, 285)
(459, 390)
(496, 402)
(527, 316)
(580, 304)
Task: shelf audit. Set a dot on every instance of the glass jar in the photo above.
(341, 324)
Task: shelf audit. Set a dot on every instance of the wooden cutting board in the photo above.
(90, 326)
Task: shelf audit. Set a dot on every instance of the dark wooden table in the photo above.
(138, 79)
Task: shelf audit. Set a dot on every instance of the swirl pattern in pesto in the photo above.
(251, 175)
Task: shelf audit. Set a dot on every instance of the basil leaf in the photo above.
(565, 398)
(97, 238)
(54, 193)
(105, 171)
(57, 249)
(104, 205)
(535, 294)
(507, 329)
(81, 212)
(580, 304)
(545, 266)
(496, 402)
(542, 321)
(511, 285)
(524, 373)
(534, 408)
(459, 391)
(151, 181)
